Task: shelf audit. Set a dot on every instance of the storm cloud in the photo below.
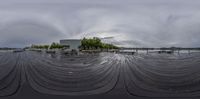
(130, 23)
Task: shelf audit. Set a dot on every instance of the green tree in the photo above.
(95, 43)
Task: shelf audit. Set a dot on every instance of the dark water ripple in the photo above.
(163, 77)
(144, 75)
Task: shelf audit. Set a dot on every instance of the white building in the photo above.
(72, 44)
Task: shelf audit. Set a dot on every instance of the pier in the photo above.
(158, 50)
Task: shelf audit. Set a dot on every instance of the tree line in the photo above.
(95, 43)
(53, 46)
(86, 44)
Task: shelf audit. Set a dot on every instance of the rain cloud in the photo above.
(130, 23)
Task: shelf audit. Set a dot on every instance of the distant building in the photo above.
(72, 44)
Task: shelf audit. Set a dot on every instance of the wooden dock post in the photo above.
(189, 52)
(178, 51)
(137, 51)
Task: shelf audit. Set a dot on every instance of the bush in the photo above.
(53, 46)
(95, 43)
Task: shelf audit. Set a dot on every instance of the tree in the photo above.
(56, 45)
(53, 46)
(95, 43)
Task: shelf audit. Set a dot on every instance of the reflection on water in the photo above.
(144, 75)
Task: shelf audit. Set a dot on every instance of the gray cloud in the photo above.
(134, 23)
(24, 33)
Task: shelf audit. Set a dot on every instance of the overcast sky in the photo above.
(133, 23)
